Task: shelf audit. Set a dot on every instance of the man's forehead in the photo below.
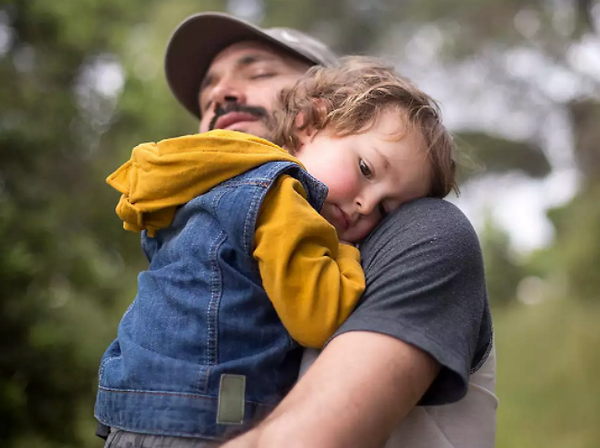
(234, 52)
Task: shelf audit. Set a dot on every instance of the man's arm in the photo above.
(425, 289)
(356, 392)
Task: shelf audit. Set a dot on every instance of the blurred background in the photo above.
(81, 83)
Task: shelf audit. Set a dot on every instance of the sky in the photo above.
(518, 95)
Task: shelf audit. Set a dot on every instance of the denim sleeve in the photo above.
(426, 286)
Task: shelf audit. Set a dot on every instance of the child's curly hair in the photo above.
(348, 99)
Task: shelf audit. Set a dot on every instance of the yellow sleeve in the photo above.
(313, 281)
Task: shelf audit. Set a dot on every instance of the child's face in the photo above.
(368, 174)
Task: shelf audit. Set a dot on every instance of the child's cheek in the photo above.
(343, 186)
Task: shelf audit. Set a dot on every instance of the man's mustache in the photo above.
(259, 112)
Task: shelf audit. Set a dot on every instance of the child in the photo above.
(243, 268)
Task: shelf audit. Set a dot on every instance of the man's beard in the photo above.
(259, 112)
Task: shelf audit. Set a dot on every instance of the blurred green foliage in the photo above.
(82, 83)
(548, 364)
(504, 271)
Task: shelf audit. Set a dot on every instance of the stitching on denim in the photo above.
(259, 182)
(251, 217)
(213, 257)
(158, 394)
(173, 394)
(216, 290)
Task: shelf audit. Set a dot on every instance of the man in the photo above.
(216, 64)
(422, 333)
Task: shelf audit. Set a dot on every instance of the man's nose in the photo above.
(228, 91)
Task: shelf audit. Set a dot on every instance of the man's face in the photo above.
(241, 85)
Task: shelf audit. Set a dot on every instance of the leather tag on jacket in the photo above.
(232, 399)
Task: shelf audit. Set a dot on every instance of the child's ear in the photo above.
(308, 127)
(304, 132)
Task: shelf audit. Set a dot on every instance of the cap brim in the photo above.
(197, 41)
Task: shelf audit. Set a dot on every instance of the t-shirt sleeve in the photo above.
(425, 285)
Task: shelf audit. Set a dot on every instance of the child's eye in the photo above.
(364, 169)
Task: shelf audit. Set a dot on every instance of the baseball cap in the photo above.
(199, 38)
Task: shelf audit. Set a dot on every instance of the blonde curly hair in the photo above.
(349, 98)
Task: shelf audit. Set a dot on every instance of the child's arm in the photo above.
(313, 281)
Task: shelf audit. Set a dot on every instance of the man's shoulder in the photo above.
(429, 226)
(428, 215)
(426, 286)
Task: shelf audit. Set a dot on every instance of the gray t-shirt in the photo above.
(426, 287)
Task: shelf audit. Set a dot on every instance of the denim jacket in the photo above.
(201, 352)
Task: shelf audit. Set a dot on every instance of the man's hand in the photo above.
(355, 393)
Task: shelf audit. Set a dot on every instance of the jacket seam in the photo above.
(172, 394)
(212, 311)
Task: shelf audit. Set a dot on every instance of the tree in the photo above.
(59, 282)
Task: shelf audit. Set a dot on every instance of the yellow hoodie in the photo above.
(312, 280)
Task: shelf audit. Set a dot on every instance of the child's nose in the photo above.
(366, 206)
